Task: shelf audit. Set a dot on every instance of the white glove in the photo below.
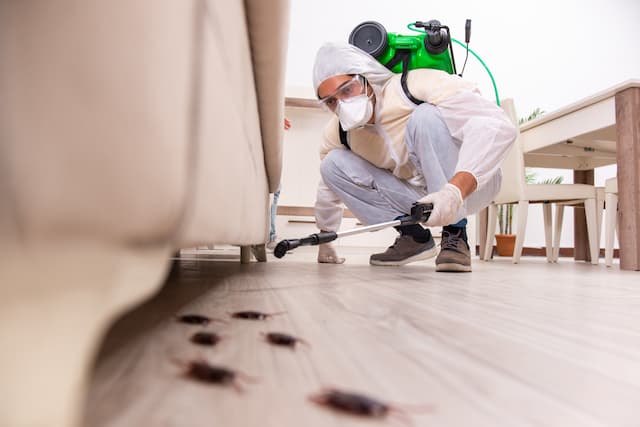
(328, 255)
(446, 204)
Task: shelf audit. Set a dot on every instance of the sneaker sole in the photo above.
(453, 268)
(419, 257)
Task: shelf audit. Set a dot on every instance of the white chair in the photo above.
(515, 190)
(607, 201)
(611, 217)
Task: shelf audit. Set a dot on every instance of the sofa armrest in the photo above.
(268, 24)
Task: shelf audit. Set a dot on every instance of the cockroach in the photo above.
(254, 315)
(205, 338)
(202, 371)
(196, 319)
(282, 339)
(362, 405)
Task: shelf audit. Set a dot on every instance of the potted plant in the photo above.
(505, 240)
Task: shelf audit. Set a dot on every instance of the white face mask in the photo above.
(354, 112)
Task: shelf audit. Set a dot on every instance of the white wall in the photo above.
(300, 174)
(544, 54)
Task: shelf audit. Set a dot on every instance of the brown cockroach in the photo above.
(205, 338)
(253, 315)
(194, 319)
(362, 405)
(197, 319)
(282, 339)
(202, 371)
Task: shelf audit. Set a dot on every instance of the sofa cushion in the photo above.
(94, 116)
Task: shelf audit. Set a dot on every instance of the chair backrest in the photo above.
(513, 172)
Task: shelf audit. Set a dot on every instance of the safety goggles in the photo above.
(348, 89)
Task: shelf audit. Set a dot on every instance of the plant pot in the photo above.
(505, 244)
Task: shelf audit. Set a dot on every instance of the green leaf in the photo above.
(556, 180)
(534, 115)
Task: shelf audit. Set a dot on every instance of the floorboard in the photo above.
(507, 345)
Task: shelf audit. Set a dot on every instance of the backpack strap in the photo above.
(343, 136)
(403, 81)
(403, 55)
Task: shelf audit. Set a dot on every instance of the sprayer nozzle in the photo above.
(281, 249)
(467, 31)
(286, 245)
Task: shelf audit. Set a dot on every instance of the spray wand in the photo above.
(419, 213)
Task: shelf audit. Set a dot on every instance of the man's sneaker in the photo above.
(405, 250)
(271, 244)
(454, 253)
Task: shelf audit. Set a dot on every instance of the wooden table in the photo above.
(599, 130)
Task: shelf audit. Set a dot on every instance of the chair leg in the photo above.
(611, 215)
(546, 211)
(590, 213)
(600, 202)
(492, 213)
(523, 210)
(557, 232)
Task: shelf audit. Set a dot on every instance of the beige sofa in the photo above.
(128, 129)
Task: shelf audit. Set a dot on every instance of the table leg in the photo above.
(482, 231)
(580, 236)
(628, 158)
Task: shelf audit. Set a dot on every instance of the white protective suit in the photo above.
(481, 128)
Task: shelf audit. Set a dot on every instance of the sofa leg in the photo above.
(56, 302)
(260, 252)
(245, 254)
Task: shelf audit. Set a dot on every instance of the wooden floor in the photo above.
(507, 345)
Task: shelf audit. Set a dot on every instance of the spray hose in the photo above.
(493, 82)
